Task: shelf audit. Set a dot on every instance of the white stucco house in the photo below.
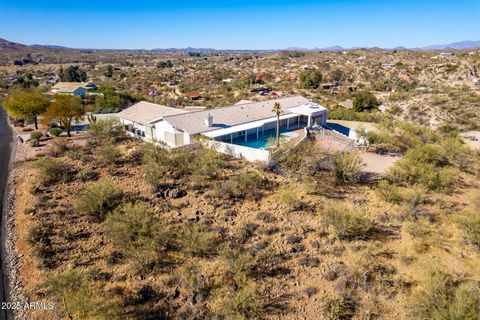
(236, 124)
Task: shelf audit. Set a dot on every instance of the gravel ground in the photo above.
(11, 255)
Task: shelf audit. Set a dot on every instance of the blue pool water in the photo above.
(263, 141)
(339, 128)
(79, 127)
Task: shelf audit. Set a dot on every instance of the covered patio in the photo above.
(254, 131)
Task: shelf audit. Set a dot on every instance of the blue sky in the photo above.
(245, 24)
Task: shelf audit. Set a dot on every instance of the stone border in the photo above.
(11, 263)
(11, 270)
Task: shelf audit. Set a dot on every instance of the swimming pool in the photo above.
(339, 128)
(267, 140)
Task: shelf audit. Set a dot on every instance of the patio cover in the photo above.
(246, 126)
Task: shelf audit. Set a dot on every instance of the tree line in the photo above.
(63, 110)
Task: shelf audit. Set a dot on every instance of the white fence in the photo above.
(237, 151)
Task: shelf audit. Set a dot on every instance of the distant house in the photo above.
(79, 89)
(446, 54)
(192, 95)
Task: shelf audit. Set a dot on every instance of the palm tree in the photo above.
(277, 109)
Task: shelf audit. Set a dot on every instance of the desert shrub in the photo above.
(50, 170)
(424, 165)
(347, 166)
(338, 308)
(456, 152)
(421, 235)
(138, 233)
(99, 198)
(39, 233)
(400, 135)
(58, 148)
(160, 162)
(55, 132)
(245, 231)
(266, 217)
(349, 222)
(290, 198)
(438, 298)
(206, 165)
(78, 297)
(241, 303)
(470, 223)
(228, 283)
(240, 265)
(389, 192)
(196, 239)
(340, 113)
(365, 101)
(241, 186)
(412, 196)
(107, 153)
(193, 276)
(105, 129)
(302, 156)
(36, 135)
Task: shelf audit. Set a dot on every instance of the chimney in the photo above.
(208, 120)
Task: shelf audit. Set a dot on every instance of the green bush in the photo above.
(203, 165)
(290, 198)
(310, 79)
(138, 233)
(470, 223)
(79, 297)
(347, 166)
(50, 170)
(338, 308)
(108, 153)
(38, 233)
(424, 165)
(196, 239)
(349, 222)
(105, 129)
(439, 298)
(411, 196)
(389, 192)
(340, 113)
(54, 131)
(98, 199)
(206, 165)
(244, 185)
(241, 303)
(36, 135)
(160, 163)
(365, 101)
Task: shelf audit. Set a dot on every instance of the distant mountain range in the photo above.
(454, 46)
(9, 46)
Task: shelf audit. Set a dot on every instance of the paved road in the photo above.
(6, 145)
